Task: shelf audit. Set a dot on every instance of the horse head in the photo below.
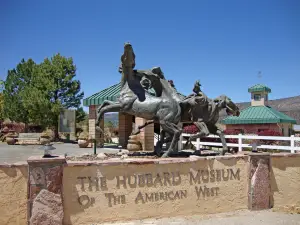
(224, 102)
(128, 57)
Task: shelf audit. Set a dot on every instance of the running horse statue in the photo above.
(135, 100)
(204, 114)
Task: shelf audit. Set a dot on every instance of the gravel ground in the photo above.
(237, 218)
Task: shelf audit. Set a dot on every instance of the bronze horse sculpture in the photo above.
(204, 114)
(135, 100)
(205, 117)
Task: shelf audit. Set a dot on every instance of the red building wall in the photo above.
(254, 128)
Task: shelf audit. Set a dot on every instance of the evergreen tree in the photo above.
(14, 86)
(55, 89)
(81, 115)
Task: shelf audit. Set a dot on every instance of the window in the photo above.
(257, 97)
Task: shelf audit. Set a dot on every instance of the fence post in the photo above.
(292, 143)
(180, 143)
(198, 144)
(240, 142)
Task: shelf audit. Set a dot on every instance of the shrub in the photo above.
(232, 132)
(17, 127)
(269, 133)
(190, 129)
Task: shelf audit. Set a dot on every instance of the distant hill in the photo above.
(290, 106)
(113, 117)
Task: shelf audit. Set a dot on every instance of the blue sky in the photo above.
(222, 43)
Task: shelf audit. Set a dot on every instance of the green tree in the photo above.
(14, 88)
(52, 89)
(81, 115)
(1, 100)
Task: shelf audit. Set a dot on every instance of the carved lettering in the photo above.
(183, 194)
(160, 196)
(199, 191)
(167, 179)
(149, 197)
(149, 179)
(195, 179)
(218, 172)
(82, 182)
(176, 179)
(236, 175)
(121, 181)
(158, 180)
(141, 180)
(115, 199)
(205, 176)
(225, 178)
(85, 201)
(132, 181)
(103, 183)
(93, 182)
(206, 191)
(212, 176)
(139, 198)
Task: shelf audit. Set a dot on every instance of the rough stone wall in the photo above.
(13, 194)
(45, 190)
(285, 180)
(119, 190)
(259, 181)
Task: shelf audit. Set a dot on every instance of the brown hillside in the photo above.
(290, 106)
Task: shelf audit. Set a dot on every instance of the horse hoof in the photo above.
(224, 151)
(165, 155)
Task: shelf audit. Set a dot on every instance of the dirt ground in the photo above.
(245, 217)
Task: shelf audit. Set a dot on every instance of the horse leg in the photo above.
(142, 126)
(203, 131)
(159, 144)
(109, 108)
(220, 133)
(175, 131)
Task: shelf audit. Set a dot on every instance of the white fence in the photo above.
(292, 147)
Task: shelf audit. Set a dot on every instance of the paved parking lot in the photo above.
(17, 153)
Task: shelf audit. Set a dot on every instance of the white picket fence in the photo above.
(292, 147)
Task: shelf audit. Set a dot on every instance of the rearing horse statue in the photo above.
(135, 100)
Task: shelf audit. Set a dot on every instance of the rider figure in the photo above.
(197, 89)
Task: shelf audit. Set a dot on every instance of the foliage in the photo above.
(81, 115)
(1, 100)
(190, 129)
(269, 133)
(17, 127)
(84, 135)
(16, 82)
(232, 132)
(37, 93)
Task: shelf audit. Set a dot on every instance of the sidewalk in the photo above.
(237, 218)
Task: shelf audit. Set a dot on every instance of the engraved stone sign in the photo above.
(116, 191)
